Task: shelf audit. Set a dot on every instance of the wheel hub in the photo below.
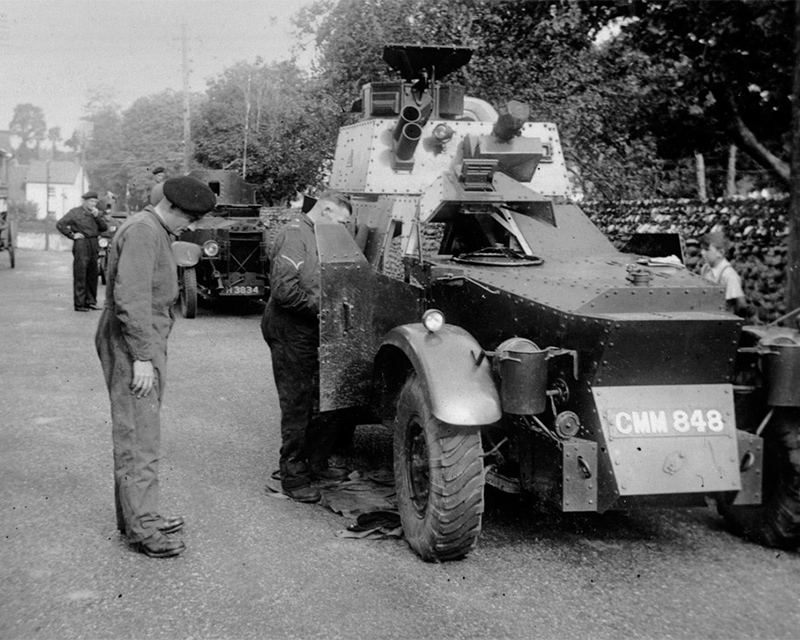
(418, 469)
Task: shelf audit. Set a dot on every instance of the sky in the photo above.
(53, 52)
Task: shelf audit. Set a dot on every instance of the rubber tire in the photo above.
(12, 239)
(776, 521)
(445, 524)
(101, 269)
(188, 292)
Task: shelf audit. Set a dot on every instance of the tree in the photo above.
(126, 145)
(152, 134)
(268, 122)
(54, 137)
(725, 75)
(29, 126)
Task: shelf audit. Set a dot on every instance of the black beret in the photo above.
(190, 195)
(159, 170)
(89, 194)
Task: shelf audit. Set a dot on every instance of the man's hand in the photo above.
(77, 236)
(143, 377)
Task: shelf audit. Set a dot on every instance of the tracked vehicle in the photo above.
(507, 342)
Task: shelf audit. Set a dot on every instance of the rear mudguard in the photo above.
(458, 384)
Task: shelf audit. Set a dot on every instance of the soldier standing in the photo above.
(131, 341)
(291, 328)
(83, 225)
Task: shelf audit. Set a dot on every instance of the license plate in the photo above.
(243, 290)
(666, 422)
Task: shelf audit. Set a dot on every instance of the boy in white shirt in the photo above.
(713, 247)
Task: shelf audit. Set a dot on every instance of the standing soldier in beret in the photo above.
(83, 225)
(131, 341)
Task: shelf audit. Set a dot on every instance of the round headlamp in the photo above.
(103, 242)
(210, 248)
(433, 320)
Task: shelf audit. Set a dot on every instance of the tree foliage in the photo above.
(725, 75)
(29, 126)
(270, 123)
(125, 146)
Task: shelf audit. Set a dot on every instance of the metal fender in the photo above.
(460, 390)
(186, 254)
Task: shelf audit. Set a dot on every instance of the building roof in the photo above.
(61, 172)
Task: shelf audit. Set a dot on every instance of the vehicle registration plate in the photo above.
(242, 290)
(666, 422)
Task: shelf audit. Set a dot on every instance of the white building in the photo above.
(55, 186)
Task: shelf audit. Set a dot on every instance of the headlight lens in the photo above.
(103, 242)
(433, 320)
(210, 248)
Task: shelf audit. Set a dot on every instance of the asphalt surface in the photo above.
(260, 567)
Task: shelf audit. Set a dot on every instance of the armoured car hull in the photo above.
(507, 342)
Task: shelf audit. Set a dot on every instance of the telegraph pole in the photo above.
(187, 124)
(246, 128)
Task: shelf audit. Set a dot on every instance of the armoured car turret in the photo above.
(507, 342)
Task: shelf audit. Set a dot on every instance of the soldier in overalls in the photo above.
(131, 341)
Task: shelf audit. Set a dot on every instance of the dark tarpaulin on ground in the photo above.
(368, 498)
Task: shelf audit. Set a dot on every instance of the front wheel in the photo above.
(439, 481)
(776, 521)
(188, 292)
(12, 240)
(101, 269)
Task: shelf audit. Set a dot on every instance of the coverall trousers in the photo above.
(84, 272)
(306, 437)
(136, 433)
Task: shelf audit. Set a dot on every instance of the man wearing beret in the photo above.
(131, 341)
(83, 225)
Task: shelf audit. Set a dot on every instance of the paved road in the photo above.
(259, 567)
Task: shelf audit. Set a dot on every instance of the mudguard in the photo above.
(186, 254)
(459, 385)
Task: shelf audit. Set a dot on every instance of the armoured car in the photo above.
(507, 342)
(232, 258)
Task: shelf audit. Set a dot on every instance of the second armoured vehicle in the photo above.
(233, 240)
(507, 342)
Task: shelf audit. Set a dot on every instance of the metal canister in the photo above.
(781, 366)
(522, 368)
